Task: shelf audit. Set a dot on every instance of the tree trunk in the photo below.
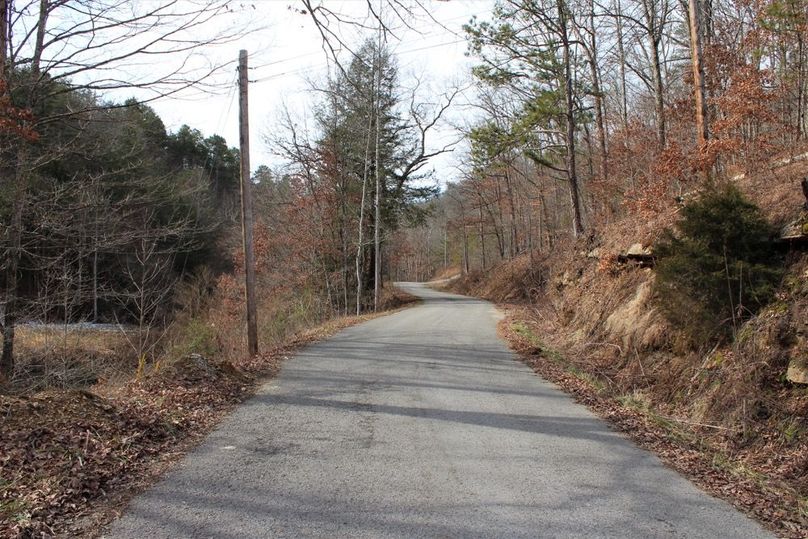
(569, 117)
(659, 96)
(465, 250)
(10, 314)
(800, 87)
(596, 91)
(656, 67)
(360, 246)
(20, 191)
(622, 54)
(698, 72)
(4, 9)
(343, 236)
(377, 253)
(482, 236)
(514, 247)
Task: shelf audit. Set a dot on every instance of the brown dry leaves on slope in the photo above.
(62, 452)
(70, 459)
(770, 501)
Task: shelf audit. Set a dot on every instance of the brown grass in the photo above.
(69, 460)
(68, 358)
(446, 273)
(688, 446)
(516, 280)
(731, 403)
(776, 189)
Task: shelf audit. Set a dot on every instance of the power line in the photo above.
(442, 31)
(324, 65)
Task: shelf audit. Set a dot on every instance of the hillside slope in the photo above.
(732, 415)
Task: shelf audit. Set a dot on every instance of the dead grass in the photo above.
(691, 447)
(776, 188)
(50, 357)
(446, 273)
(70, 460)
(520, 279)
(727, 417)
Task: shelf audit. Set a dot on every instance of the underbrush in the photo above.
(107, 424)
(517, 280)
(725, 411)
(446, 273)
(90, 356)
(756, 461)
(69, 357)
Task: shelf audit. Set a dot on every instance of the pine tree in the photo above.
(719, 267)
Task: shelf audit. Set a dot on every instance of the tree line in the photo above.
(592, 111)
(102, 209)
(107, 217)
(358, 175)
(587, 111)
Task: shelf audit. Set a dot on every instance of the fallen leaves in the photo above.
(64, 452)
(70, 459)
(772, 497)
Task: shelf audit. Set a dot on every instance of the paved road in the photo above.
(421, 424)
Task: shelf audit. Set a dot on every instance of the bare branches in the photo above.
(425, 118)
(103, 45)
(386, 16)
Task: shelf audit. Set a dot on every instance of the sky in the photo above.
(286, 53)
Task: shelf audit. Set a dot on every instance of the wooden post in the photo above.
(694, 10)
(4, 9)
(377, 250)
(446, 245)
(246, 205)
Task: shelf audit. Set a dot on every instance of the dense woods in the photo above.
(117, 210)
(628, 170)
(589, 115)
(103, 210)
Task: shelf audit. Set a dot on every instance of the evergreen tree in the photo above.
(719, 267)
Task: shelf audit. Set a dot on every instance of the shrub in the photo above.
(718, 267)
(199, 337)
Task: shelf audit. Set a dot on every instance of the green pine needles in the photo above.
(719, 266)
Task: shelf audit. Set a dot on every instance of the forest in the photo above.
(629, 187)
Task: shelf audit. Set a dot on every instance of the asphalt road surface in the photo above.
(421, 424)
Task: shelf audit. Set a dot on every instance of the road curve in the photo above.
(421, 424)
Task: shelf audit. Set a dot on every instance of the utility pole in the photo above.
(694, 13)
(446, 245)
(246, 204)
(4, 11)
(377, 254)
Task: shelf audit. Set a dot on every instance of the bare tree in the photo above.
(149, 283)
(56, 48)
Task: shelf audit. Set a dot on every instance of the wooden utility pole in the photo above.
(694, 12)
(446, 245)
(377, 250)
(4, 10)
(246, 204)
